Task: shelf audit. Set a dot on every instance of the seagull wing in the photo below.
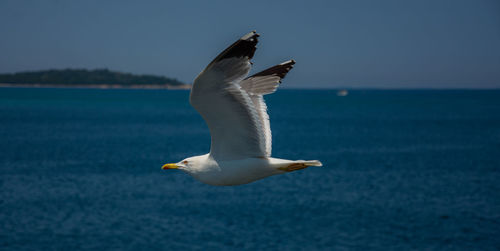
(233, 106)
(262, 83)
(234, 123)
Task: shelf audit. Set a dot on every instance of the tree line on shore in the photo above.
(85, 77)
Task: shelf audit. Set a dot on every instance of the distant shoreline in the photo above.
(100, 86)
(83, 78)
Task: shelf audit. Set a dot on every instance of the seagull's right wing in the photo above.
(262, 83)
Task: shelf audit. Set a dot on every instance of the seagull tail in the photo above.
(312, 163)
(299, 164)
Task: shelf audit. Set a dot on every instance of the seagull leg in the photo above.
(293, 167)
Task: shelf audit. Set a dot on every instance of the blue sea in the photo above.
(80, 169)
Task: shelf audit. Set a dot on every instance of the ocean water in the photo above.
(80, 169)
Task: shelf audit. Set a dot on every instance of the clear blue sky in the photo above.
(407, 44)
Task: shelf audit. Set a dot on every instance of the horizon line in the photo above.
(138, 87)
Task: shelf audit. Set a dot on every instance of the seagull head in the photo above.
(183, 165)
(189, 165)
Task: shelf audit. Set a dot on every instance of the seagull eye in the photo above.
(184, 162)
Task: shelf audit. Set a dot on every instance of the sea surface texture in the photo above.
(81, 169)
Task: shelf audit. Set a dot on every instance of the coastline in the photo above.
(100, 86)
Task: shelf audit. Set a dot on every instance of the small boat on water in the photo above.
(342, 93)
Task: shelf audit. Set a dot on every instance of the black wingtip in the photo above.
(250, 35)
(279, 70)
(243, 47)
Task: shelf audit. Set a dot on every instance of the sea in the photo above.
(80, 169)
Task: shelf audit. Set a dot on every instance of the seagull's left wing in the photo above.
(235, 126)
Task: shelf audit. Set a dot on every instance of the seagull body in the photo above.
(233, 107)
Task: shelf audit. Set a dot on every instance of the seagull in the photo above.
(233, 107)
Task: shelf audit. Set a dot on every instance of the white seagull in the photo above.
(234, 109)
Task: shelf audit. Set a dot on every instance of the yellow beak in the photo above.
(169, 166)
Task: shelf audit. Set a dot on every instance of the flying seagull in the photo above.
(233, 107)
